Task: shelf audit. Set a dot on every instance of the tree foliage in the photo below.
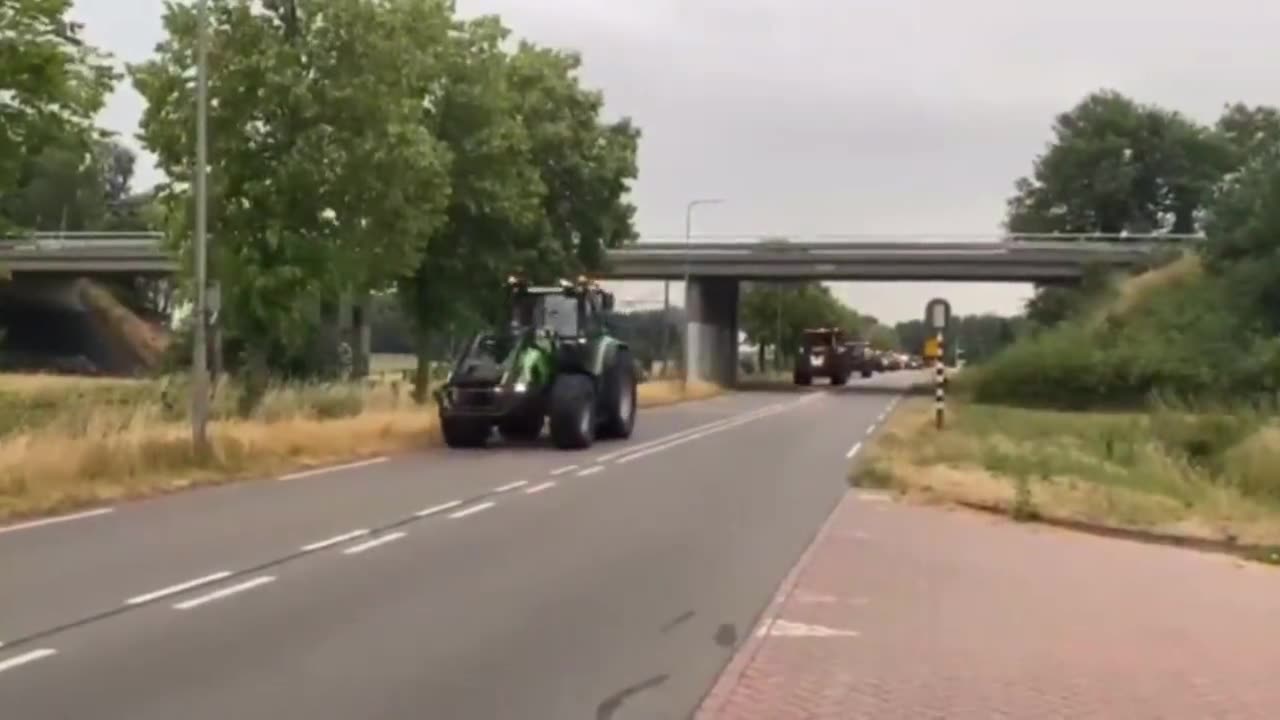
(60, 189)
(52, 84)
(538, 180)
(323, 177)
(1118, 166)
(382, 145)
(1204, 330)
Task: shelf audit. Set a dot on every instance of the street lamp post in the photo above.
(199, 357)
(688, 241)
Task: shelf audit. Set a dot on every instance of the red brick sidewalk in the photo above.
(908, 612)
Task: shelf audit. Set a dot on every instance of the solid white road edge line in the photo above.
(438, 508)
(853, 450)
(471, 510)
(224, 592)
(563, 470)
(25, 658)
(335, 540)
(590, 471)
(373, 543)
(180, 587)
(333, 468)
(510, 486)
(54, 520)
(540, 487)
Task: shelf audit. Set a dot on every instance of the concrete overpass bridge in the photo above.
(714, 267)
(714, 271)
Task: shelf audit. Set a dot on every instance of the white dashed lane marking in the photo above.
(471, 510)
(180, 587)
(383, 540)
(25, 658)
(335, 540)
(225, 592)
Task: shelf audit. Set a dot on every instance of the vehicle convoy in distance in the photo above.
(554, 363)
(823, 353)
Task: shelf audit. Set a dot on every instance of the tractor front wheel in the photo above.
(620, 398)
(464, 432)
(522, 428)
(573, 411)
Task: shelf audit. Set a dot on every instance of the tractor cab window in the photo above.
(819, 339)
(594, 314)
(547, 311)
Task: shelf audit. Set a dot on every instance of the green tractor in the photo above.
(554, 364)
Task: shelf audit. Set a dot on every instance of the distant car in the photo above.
(822, 353)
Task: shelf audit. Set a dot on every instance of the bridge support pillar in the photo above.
(711, 345)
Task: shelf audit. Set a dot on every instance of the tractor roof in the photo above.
(582, 286)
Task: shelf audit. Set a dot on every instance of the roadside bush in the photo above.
(1202, 339)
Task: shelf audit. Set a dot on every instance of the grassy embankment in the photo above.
(72, 442)
(1204, 470)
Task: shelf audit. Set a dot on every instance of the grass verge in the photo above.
(1201, 478)
(67, 443)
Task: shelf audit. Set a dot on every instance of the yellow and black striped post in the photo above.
(939, 384)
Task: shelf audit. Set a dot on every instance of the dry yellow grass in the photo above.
(39, 383)
(668, 392)
(134, 451)
(1050, 476)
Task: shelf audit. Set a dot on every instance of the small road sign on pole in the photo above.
(937, 315)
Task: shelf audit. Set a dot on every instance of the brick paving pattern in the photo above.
(959, 615)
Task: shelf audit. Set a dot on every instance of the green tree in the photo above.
(52, 85)
(495, 190)
(1248, 131)
(322, 176)
(585, 163)
(60, 188)
(1115, 166)
(539, 181)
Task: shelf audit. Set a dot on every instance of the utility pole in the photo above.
(199, 358)
(688, 242)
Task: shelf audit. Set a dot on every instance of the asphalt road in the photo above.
(518, 582)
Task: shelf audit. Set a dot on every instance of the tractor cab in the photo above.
(822, 353)
(822, 339)
(565, 310)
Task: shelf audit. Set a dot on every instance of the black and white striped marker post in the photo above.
(939, 385)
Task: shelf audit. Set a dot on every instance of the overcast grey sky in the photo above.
(850, 116)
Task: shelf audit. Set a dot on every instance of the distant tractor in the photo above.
(823, 353)
(553, 364)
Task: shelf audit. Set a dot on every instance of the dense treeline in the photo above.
(1203, 328)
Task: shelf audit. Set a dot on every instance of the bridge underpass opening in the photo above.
(73, 325)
